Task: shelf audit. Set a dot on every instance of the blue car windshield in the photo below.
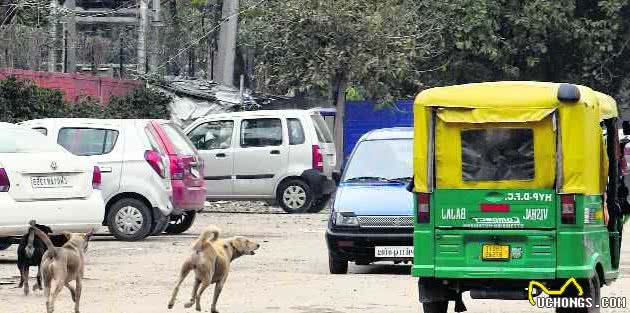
(380, 160)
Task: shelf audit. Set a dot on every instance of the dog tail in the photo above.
(43, 237)
(210, 233)
(30, 250)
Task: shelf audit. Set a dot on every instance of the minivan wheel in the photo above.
(435, 307)
(180, 223)
(129, 220)
(319, 204)
(336, 265)
(295, 196)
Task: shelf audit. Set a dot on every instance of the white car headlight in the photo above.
(346, 219)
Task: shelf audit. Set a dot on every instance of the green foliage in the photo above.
(312, 46)
(22, 100)
(141, 103)
(565, 40)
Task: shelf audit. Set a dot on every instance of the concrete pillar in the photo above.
(142, 37)
(70, 30)
(224, 67)
(52, 49)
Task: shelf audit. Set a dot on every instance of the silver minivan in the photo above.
(286, 156)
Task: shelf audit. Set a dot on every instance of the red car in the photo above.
(186, 170)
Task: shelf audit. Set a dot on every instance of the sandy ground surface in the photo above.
(289, 274)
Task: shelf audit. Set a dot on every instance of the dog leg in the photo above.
(215, 297)
(186, 268)
(25, 270)
(55, 289)
(193, 297)
(204, 284)
(77, 298)
(39, 279)
(73, 292)
(21, 284)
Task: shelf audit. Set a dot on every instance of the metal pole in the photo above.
(241, 92)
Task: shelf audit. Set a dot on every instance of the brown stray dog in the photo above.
(210, 260)
(61, 265)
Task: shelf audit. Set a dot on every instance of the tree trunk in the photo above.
(339, 101)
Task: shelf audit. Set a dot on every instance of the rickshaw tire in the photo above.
(592, 289)
(435, 307)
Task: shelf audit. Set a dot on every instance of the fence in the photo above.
(76, 86)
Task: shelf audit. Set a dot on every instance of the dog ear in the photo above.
(68, 235)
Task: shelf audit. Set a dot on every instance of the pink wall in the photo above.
(76, 86)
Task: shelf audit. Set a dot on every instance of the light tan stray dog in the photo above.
(61, 265)
(210, 260)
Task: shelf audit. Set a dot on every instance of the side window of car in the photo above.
(296, 132)
(42, 130)
(261, 132)
(87, 141)
(212, 135)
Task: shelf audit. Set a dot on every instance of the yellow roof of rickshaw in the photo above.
(511, 94)
(583, 157)
(607, 106)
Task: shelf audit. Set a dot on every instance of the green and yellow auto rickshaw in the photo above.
(516, 194)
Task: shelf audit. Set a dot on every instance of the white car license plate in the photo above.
(393, 251)
(57, 181)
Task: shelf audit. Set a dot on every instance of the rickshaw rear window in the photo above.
(497, 154)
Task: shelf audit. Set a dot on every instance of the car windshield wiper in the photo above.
(366, 178)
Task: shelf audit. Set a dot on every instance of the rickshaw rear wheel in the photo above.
(592, 289)
(435, 307)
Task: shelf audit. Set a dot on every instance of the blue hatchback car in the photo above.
(372, 212)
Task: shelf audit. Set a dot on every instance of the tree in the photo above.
(584, 42)
(316, 46)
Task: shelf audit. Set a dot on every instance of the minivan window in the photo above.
(261, 132)
(87, 141)
(323, 133)
(497, 154)
(14, 140)
(380, 160)
(212, 135)
(180, 142)
(296, 132)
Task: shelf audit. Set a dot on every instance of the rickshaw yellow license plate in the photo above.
(495, 252)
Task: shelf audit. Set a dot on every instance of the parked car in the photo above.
(136, 173)
(283, 155)
(41, 181)
(371, 215)
(186, 169)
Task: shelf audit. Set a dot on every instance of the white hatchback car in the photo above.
(41, 181)
(282, 155)
(136, 181)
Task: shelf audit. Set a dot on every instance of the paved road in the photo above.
(288, 275)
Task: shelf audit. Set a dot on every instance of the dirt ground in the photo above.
(289, 274)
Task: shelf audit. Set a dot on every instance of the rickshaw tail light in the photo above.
(495, 207)
(568, 209)
(424, 215)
